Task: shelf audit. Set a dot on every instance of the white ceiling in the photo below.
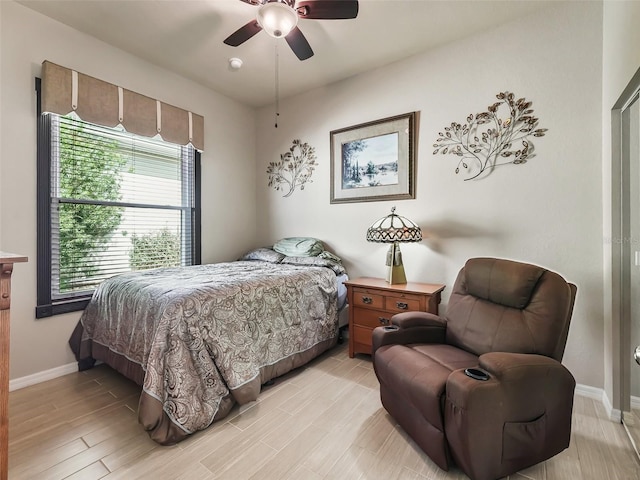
(186, 36)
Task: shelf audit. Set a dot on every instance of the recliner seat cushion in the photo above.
(419, 373)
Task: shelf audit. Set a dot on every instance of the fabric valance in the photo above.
(96, 101)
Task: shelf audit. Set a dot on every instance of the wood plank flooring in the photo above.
(633, 429)
(323, 421)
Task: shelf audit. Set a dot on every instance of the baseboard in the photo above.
(589, 392)
(614, 414)
(22, 382)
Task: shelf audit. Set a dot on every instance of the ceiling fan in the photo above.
(279, 18)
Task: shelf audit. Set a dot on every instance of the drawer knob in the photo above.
(383, 321)
(402, 305)
(367, 300)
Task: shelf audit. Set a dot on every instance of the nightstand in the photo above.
(372, 303)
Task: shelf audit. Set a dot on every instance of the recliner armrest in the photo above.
(519, 416)
(410, 327)
(518, 379)
(417, 319)
(516, 366)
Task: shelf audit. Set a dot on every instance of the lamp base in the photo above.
(395, 274)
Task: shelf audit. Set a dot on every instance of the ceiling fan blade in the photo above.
(243, 34)
(328, 9)
(299, 44)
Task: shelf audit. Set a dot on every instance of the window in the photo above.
(109, 202)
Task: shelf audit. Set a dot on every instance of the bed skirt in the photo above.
(151, 414)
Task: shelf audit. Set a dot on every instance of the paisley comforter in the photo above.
(201, 338)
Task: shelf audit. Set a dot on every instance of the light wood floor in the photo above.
(633, 428)
(321, 421)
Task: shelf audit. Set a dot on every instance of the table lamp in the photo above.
(394, 229)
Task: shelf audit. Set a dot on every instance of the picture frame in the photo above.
(374, 161)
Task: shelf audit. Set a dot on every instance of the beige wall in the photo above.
(228, 164)
(554, 210)
(621, 60)
(548, 211)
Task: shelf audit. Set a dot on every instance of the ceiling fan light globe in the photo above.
(277, 19)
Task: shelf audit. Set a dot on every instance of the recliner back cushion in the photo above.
(502, 281)
(506, 306)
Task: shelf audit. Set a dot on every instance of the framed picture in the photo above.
(374, 161)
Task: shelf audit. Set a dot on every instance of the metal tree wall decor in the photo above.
(502, 142)
(294, 168)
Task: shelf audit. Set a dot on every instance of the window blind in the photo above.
(119, 202)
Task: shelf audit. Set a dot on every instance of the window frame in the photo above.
(47, 306)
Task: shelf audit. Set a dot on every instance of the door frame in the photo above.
(620, 254)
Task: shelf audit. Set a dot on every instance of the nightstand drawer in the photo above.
(401, 304)
(371, 318)
(362, 336)
(363, 298)
(373, 302)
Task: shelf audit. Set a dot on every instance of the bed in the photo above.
(199, 339)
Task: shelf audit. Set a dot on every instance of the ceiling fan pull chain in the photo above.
(277, 86)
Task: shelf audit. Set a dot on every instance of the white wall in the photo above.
(228, 164)
(547, 211)
(621, 60)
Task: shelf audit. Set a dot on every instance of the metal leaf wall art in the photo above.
(294, 168)
(489, 140)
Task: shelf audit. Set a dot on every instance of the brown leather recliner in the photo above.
(506, 324)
